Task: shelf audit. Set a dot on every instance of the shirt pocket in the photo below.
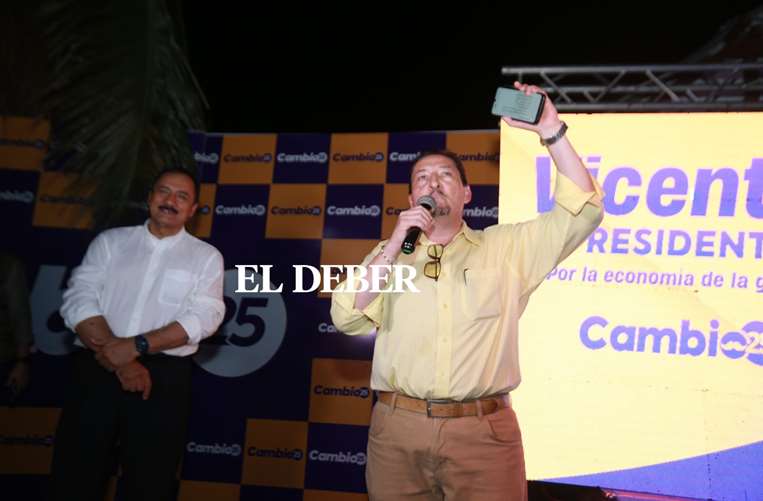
(176, 285)
(481, 296)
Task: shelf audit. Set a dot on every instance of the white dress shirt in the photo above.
(140, 283)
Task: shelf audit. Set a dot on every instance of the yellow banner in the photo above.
(646, 345)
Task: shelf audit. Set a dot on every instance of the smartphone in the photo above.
(518, 105)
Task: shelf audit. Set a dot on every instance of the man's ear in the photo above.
(467, 194)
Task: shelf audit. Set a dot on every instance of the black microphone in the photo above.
(409, 244)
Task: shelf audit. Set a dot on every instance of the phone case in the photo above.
(518, 105)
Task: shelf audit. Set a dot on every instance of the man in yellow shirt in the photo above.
(446, 357)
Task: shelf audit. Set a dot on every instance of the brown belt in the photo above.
(446, 408)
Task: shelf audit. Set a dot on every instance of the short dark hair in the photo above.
(182, 171)
(445, 153)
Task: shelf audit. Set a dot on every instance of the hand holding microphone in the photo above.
(411, 223)
(409, 244)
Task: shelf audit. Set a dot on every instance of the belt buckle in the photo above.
(436, 401)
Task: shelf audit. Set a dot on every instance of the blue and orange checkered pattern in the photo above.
(281, 399)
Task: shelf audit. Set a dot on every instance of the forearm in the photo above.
(385, 257)
(165, 338)
(568, 162)
(94, 332)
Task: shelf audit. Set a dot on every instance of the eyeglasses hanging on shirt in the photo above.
(432, 268)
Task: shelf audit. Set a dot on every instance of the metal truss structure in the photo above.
(649, 88)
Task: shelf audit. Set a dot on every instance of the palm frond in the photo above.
(122, 97)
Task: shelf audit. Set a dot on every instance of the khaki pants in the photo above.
(412, 456)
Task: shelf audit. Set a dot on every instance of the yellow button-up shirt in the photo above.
(457, 338)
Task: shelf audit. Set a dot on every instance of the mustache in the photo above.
(169, 208)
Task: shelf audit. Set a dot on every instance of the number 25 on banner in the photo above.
(250, 335)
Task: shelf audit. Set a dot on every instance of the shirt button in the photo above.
(445, 307)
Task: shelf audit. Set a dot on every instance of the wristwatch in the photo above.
(141, 344)
(548, 141)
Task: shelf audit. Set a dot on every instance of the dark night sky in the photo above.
(407, 67)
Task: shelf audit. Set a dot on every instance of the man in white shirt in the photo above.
(140, 303)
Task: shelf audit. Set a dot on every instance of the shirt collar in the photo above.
(166, 241)
(472, 236)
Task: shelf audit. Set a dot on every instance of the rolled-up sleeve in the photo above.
(81, 300)
(206, 308)
(537, 246)
(349, 319)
